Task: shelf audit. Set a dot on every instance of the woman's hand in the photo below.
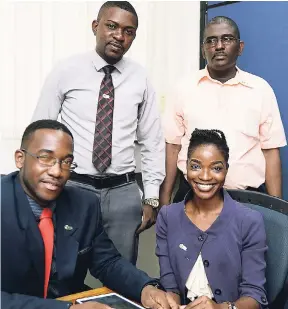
(204, 302)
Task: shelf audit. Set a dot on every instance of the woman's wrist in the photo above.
(229, 305)
(224, 305)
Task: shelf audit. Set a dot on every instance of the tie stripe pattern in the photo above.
(102, 147)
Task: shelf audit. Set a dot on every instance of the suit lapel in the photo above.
(28, 223)
(188, 246)
(188, 256)
(66, 242)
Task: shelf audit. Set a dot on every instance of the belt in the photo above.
(103, 182)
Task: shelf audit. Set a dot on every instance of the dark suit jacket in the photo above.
(233, 251)
(85, 246)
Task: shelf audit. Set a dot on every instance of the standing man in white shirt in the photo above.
(107, 102)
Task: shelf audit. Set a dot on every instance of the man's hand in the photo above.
(204, 302)
(149, 218)
(175, 298)
(90, 305)
(157, 299)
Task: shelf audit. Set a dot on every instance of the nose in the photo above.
(219, 45)
(55, 170)
(119, 35)
(205, 174)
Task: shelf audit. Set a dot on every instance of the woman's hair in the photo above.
(209, 137)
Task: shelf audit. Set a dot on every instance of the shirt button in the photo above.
(206, 263)
(218, 292)
(264, 300)
(200, 238)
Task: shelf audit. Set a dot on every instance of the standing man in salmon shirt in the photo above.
(224, 97)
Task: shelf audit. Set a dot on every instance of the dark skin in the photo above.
(221, 64)
(150, 298)
(221, 59)
(44, 184)
(115, 32)
(39, 182)
(206, 173)
(273, 174)
(167, 185)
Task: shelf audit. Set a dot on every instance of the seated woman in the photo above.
(211, 248)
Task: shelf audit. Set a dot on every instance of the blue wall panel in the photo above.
(264, 28)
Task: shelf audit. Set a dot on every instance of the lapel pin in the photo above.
(106, 96)
(183, 247)
(68, 227)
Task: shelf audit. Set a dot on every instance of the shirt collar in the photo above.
(99, 62)
(220, 224)
(241, 77)
(37, 209)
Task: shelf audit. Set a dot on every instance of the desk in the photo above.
(95, 292)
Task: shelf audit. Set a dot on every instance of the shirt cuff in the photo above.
(151, 191)
(271, 145)
(175, 140)
(156, 283)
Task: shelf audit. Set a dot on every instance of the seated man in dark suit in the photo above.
(52, 234)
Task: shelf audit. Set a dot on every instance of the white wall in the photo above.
(35, 35)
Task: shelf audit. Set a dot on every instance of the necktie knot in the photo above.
(108, 69)
(46, 213)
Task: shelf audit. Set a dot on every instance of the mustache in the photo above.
(117, 44)
(219, 54)
(54, 182)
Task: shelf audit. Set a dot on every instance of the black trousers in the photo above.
(184, 187)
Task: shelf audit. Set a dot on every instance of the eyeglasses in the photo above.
(226, 40)
(49, 161)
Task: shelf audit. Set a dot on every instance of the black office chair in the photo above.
(275, 215)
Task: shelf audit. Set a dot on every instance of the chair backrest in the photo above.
(275, 215)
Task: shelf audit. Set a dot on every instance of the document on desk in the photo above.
(113, 300)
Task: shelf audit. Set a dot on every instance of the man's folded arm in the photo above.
(20, 301)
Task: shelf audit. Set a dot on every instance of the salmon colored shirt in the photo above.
(244, 108)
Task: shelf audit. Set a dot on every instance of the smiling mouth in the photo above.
(52, 186)
(204, 187)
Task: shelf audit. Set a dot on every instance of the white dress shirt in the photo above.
(197, 283)
(72, 90)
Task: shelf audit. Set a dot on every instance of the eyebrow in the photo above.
(213, 163)
(69, 155)
(130, 27)
(45, 150)
(218, 162)
(221, 36)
